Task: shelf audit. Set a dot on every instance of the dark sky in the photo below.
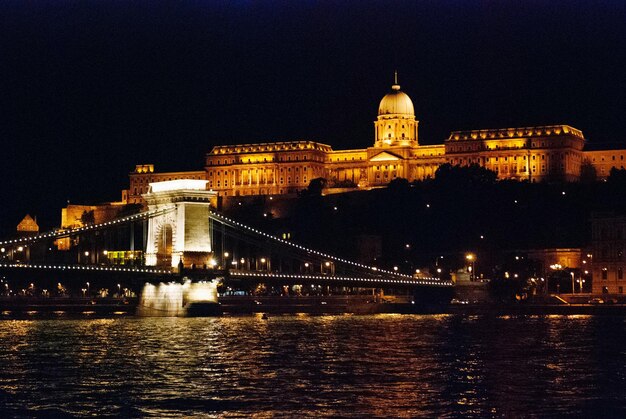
(88, 89)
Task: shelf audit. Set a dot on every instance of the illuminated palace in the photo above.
(553, 152)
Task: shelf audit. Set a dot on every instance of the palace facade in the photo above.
(553, 152)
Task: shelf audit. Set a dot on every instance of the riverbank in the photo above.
(277, 305)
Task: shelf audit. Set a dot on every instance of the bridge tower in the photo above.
(181, 230)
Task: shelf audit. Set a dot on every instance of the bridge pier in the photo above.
(182, 231)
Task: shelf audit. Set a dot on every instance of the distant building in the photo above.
(608, 235)
(565, 258)
(28, 226)
(75, 216)
(552, 152)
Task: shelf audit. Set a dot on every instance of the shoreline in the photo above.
(277, 305)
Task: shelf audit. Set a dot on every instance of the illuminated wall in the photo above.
(605, 160)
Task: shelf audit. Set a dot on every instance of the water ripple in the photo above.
(306, 366)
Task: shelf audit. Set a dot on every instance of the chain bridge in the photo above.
(180, 242)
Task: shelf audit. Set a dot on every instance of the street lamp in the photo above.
(471, 258)
(87, 288)
(573, 289)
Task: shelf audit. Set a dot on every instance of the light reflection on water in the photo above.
(350, 366)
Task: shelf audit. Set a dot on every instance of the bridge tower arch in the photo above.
(180, 230)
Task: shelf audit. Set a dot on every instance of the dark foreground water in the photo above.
(345, 366)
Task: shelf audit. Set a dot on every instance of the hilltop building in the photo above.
(536, 154)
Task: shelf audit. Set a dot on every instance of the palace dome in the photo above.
(396, 102)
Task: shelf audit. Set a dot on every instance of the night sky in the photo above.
(88, 89)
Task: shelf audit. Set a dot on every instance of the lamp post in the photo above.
(471, 258)
(573, 289)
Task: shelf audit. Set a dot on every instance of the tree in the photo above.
(398, 185)
(87, 217)
(617, 177)
(464, 175)
(316, 186)
(588, 173)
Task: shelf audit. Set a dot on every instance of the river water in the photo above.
(305, 366)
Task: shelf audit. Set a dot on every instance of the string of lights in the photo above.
(68, 232)
(228, 221)
(339, 278)
(85, 268)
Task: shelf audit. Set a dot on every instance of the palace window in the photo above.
(605, 273)
(620, 273)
